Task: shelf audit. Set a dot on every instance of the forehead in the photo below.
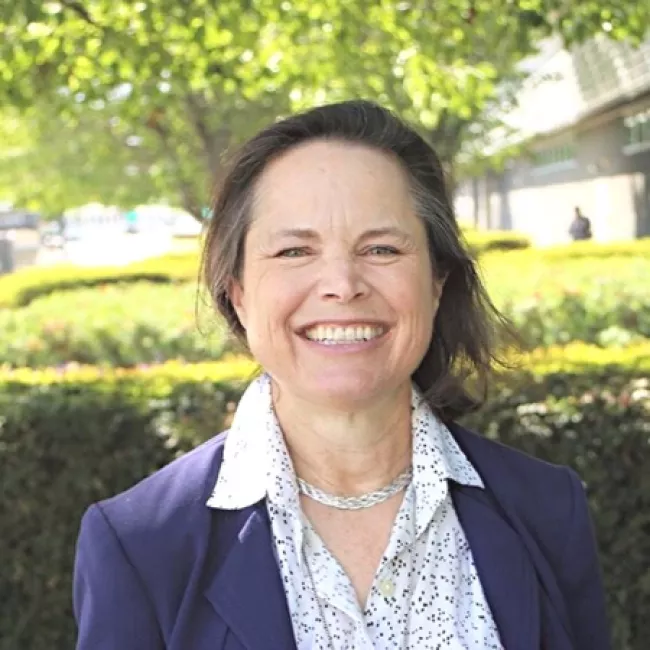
(328, 178)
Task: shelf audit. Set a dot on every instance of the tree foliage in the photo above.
(127, 100)
(49, 162)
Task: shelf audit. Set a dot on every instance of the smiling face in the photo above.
(337, 293)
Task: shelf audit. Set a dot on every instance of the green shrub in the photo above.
(583, 359)
(480, 242)
(598, 250)
(604, 314)
(518, 275)
(127, 424)
(71, 437)
(112, 325)
(20, 288)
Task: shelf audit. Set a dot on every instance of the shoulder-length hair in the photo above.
(467, 327)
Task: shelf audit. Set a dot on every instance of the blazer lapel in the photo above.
(504, 567)
(246, 590)
(554, 623)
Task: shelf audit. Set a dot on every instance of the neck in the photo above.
(347, 452)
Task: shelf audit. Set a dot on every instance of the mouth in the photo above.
(344, 334)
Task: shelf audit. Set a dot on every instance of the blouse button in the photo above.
(387, 588)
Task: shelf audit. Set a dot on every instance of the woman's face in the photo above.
(337, 294)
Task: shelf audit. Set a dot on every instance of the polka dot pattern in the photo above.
(427, 555)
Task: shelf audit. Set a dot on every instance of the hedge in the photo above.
(20, 288)
(479, 242)
(69, 437)
(519, 275)
(573, 359)
(583, 359)
(598, 250)
(113, 325)
(140, 323)
(605, 314)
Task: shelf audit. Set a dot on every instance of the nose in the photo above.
(342, 281)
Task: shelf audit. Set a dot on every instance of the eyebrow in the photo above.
(298, 233)
(388, 231)
(309, 234)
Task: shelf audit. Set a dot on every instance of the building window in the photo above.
(638, 131)
(556, 157)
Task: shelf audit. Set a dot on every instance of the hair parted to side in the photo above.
(467, 328)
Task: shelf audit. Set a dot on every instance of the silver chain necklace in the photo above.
(357, 503)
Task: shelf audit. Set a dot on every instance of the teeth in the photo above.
(333, 335)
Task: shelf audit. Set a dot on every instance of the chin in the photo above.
(347, 390)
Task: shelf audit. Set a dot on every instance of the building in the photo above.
(584, 117)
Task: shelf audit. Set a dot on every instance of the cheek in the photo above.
(271, 299)
(421, 303)
(415, 291)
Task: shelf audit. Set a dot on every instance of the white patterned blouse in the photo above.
(427, 555)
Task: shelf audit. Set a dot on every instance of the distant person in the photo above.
(580, 228)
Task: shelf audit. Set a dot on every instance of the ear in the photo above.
(236, 296)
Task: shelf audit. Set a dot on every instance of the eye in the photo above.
(382, 250)
(297, 251)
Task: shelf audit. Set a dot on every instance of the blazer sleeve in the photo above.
(111, 606)
(580, 576)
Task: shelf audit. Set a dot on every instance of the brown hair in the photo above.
(467, 325)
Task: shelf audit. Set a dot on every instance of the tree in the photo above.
(49, 163)
(170, 86)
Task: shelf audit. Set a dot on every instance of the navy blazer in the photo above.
(157, 569)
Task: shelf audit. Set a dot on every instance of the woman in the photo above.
(345, 508)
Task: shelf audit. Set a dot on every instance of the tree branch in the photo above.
(212, 143)
(446, 135)
(81, 11)
(185, 188)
